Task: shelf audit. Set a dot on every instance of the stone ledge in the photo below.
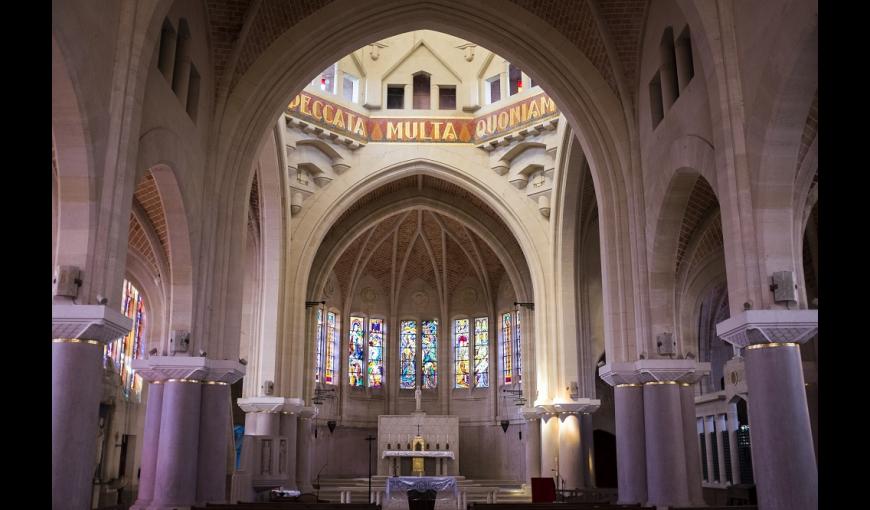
(654, 370)
(89, 322)
(763, 326)
(161, 368)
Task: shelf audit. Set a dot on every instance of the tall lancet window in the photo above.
(408, 355)
(124, 350)
(318, 346)
(376, 353)
(508, 348)
(356, 354)
(332, 339)
(519, 350)
(430, 354)
(461, 359)
(481, 352)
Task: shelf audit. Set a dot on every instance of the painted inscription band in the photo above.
(339, 119)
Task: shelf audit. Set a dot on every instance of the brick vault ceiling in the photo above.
(418, 243)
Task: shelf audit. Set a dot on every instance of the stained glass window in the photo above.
(124, 350)
(332, 339)
(430, 354)
(508, 354)
(463, 376)
(356, 354)
(407, 358)
(481, 352)
(519, 349)
(318, 346)
(376, 353)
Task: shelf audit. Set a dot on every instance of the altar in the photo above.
(400, 490)
(432, 440)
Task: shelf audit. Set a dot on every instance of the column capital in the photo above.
(769, 326)
(653, 370)
(579, 406)
(88, 322)
(531, 413)
(162, 368)
(272, 405)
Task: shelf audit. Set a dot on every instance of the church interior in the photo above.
(516, 253)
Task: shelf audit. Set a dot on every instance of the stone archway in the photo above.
(590, 106)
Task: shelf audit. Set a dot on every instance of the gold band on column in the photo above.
(771, 345)
(218, 383)
(655, 383)
(74, 341)
(191, 381)
(629, 385)
(684, 384)
(156, 382)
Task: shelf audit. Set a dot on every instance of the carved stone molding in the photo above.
(654, 370)
(763, 326)
(89, 322)
(579, 406)
(161, 368)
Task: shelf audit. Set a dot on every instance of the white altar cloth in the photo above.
(414, 453)
(446, 490)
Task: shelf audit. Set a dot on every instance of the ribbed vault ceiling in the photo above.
(418, 241)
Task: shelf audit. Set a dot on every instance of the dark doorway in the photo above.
(604, 444)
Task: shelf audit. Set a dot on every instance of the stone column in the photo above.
(150, 443)
(691, 448)
(175, 484)
(587, 450)
(214, 425)
(78, 334)
(707, 423)
(783, 460)
(570, 463)
(288, 430)
(665, 444)
(572, 459)
(303, 450)
(650, 447)
(194, 425)
(533, 444)
(550, 446)
(732, 441)
(630, 443)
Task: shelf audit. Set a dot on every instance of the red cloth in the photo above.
(543, 490)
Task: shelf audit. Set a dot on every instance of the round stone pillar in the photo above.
(587, 450)
(550, 446)
(690, 444)
(76, 388)
(268, 424)
(150, 443)
(175, 484)
(783, 460)
(630, 443)
(570, 462)
(532, 445)
(288, 430)
(214, 427)
(303, 453)
(665, 444)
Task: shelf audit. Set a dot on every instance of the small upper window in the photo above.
(446, 98)
(515, 79)
(493, 89)
(350, 88)
(396, 97)
(422, 92)
(327, 79)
